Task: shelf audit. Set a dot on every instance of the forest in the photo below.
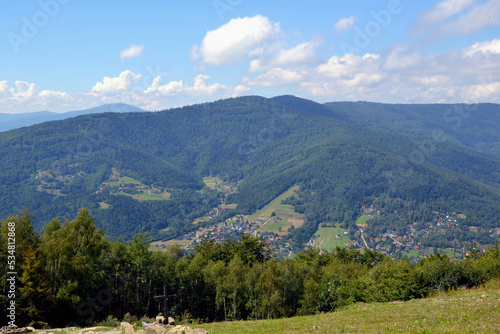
(340, 155)
(71, 274)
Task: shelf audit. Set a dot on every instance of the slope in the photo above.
(468, 311)
(269, 145)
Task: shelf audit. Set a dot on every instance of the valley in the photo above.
(302, 174)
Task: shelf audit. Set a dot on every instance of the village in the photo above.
(419, 240)
(233, 228)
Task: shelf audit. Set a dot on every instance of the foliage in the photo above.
(72, 274)
(341, 155)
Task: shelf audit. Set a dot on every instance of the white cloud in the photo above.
(432, 80)
(276, 56)
(349, 65)
(24, 97)
(480, 16)
(125, 81)
(458, 17)
(133, 51)
(488, 47)
(445, 9)
(481, 92)
(344, 24)
(401, 57)
(399, 75)
(235, 40)
(275, 77)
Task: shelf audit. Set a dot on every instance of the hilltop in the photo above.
(463, 311)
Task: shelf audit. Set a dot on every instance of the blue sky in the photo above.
(63, 55)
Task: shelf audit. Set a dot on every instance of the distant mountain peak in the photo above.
(15, 121)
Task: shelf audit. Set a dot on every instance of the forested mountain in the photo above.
(342, 157)
(475, 126)
(15, 121)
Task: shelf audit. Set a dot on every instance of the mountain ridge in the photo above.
(15, 121)
(264, 145)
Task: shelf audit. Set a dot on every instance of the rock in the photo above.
(125, 325)
(31, 328)
(171, 321)
(160, 319)
(140, 331)
(200, 331)
(178, 330)
(155, 329)
(187, 330)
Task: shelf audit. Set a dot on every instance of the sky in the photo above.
(63, 55)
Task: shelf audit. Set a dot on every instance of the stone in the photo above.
(155, 329)
(125, 325)
(177, 330)
(200, 331)
(171, 321)
(160, 319)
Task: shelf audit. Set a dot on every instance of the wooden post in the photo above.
(165, 298)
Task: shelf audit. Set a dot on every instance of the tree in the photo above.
(236, 282)
(32, 285)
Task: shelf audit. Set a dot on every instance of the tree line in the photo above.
(70, 274)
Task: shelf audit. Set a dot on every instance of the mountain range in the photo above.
(15, 121)
(139, 171)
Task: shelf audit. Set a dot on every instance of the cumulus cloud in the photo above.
(399, 75)
(486, 48)
(24, 97)
(235, 40)
(133, 51)
(125, 81)
(403, 75)
(344, 24)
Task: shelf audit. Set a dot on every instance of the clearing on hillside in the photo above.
(277, 215)
(119, 184)
(331, 237)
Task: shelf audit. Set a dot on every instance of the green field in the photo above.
(147, 192)
(285, 211)
(327, 238)
(362, 220)
(210, 182)
(464, 311)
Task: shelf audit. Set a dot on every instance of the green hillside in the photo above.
(465, 311)
(266, 146)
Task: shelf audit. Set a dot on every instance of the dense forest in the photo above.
(71, 274)
(339, 155)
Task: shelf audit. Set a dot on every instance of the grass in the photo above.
(465, 311)
(413, 253)
(157, 245)
(285, 211)
(210, 182)
(275, 204)
(104, 205)
(125, 181)
(362, 220)
(327, 238)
